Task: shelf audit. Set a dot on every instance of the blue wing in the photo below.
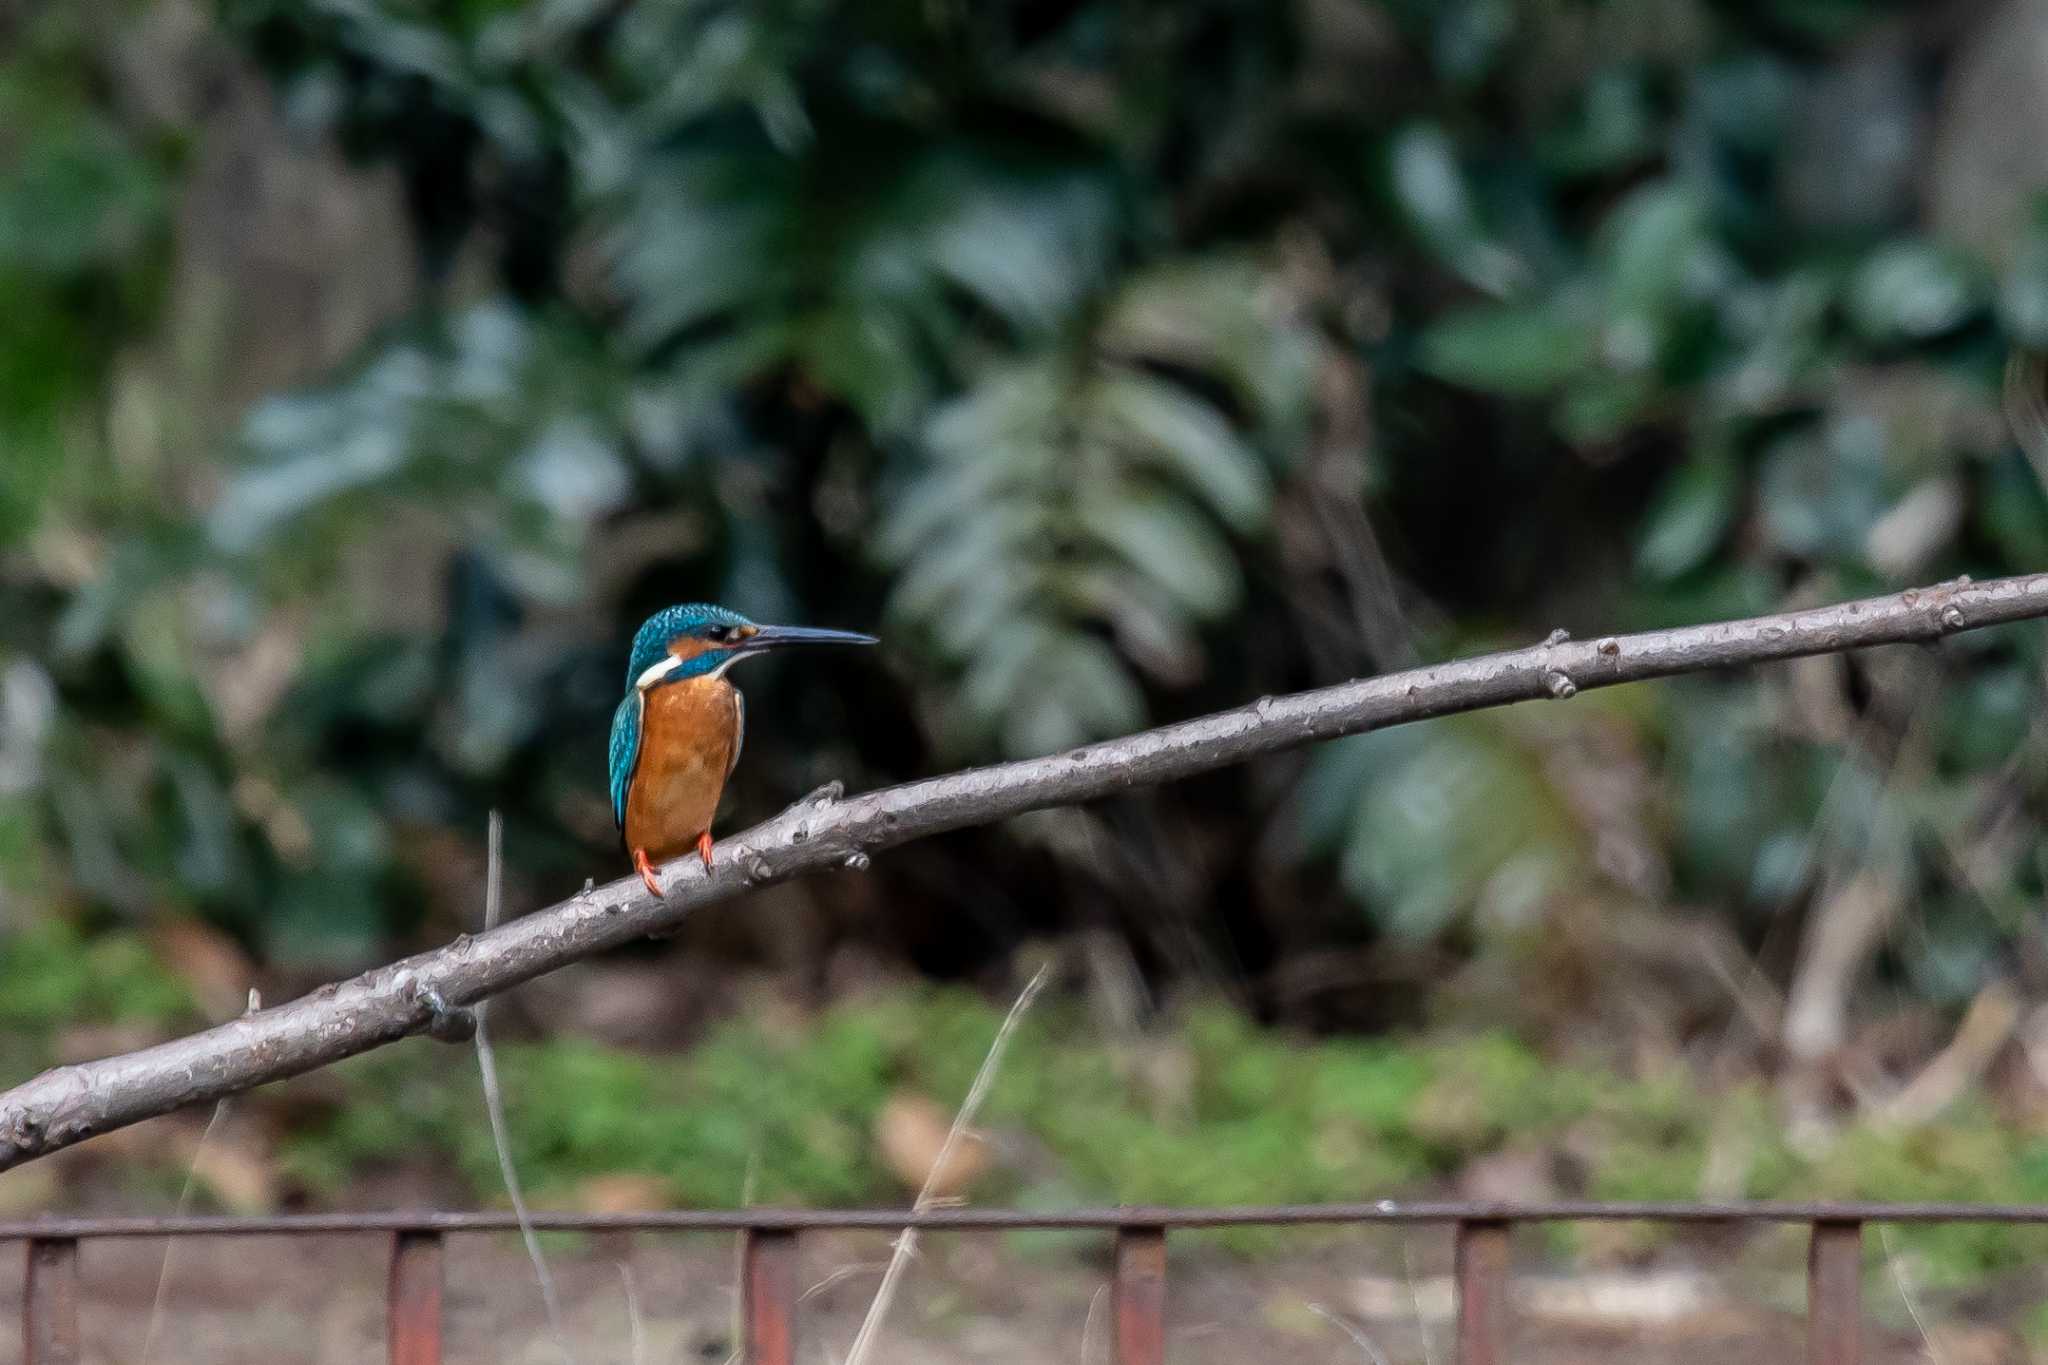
(625, 751)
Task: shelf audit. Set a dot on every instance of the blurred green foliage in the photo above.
(789, 1115)
(1207, 1109)
(84, 223)
(1117, 361)
(1248, 1116)
(52, 979)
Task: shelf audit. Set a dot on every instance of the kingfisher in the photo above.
(676, 737)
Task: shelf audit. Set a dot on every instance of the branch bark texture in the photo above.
(68, 1104)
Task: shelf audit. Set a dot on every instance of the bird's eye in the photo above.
(721, 635)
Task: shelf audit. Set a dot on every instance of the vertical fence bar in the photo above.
(1138, 1298)
(412, 1299)
(768, 1296)
(1482, 1273)
(49, 1303)
(1834, 1294)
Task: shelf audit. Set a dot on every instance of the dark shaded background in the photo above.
(369, 370)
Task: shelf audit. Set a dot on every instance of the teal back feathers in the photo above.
(625, 751)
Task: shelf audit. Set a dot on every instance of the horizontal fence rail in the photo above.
(1104, 1219)
(769, 1280)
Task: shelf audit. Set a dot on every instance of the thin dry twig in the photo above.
(841, 1274)
(736, 1321)
(163, 1275)
(494, 1100)
(1415, 1304)
(71, 1103)
(1088, 1335)
(1907, 1296)
(185, 1192)
(1357, 1334)
(1857, 903)
(906, 1241)
(636, 1328)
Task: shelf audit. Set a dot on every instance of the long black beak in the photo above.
(766, 638)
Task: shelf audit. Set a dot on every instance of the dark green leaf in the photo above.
(1520, 350)
(1911, 291)
(1690, 516)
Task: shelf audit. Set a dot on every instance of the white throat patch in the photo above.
(655, 672)
(658, 672)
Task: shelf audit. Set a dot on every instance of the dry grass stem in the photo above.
(636, 1327)
(1907, 1296)
(906, 1242)
(1088, 1334)
(494, 1100)
(1358, 1337)
(1415, 1303)
(845, 1272)
(163, 1275)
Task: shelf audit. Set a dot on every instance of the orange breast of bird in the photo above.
(688, 733)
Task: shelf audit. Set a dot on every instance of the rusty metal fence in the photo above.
(769, 1291)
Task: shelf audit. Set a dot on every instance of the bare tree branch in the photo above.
(70, 1103)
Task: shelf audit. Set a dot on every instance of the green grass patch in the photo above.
(52, 976)
(1214, 1111)
(1217, 1111)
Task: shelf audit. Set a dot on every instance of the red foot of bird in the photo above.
(646, 871)
(704, 848)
